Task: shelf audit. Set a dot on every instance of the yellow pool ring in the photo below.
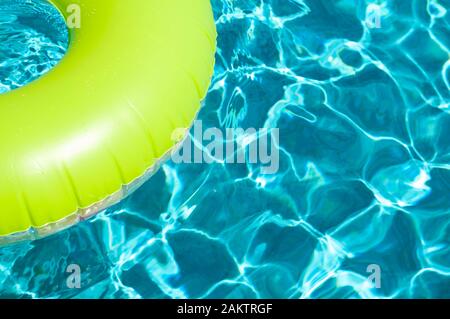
(76, 140)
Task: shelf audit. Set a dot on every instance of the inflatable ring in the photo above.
(81, 137)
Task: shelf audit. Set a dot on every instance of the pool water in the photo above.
(33, 38)
(359, 207)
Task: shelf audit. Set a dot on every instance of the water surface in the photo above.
(362, 104)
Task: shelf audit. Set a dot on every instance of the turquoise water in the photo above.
(362, 104)
(33, 38)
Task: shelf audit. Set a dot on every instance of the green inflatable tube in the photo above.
(81, 137)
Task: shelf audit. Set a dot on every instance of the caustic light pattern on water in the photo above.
(359, 207)
(33, 38)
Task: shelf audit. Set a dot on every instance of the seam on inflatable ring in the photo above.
(34, 233)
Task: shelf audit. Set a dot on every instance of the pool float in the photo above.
(96, 126)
